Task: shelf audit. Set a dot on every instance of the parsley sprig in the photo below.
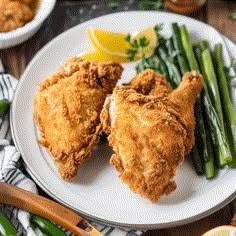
(137, 46)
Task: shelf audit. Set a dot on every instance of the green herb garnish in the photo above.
(137, 46)
(158, 28)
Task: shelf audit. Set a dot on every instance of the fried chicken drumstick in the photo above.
(151, 129)
(67, 109)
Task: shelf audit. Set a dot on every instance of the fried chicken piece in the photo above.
(67, 109)
(151, 129)
(14, 14)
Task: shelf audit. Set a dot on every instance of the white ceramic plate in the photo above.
(97, 191)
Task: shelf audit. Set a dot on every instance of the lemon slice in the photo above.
(115, 43)
(99, 56)
(109, 42)
(151, 36)
(224, 230)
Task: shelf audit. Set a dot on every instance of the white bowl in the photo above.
(21, 34)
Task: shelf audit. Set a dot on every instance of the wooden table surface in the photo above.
(70, 13)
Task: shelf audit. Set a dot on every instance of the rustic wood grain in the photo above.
(197, 228)
(218, 16)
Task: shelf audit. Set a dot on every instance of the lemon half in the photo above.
(224, 230)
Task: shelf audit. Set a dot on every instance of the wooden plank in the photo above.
(197, 228)
(218, 16)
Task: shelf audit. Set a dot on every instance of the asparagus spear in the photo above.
(228, 107)
(222, 151)
(164, 70)
(203, 137)
(171, 50)
(183, 64)
(221, 144)
(211, 82)
(188, 48)
(202, 45)
(197, 162)
(173, 71)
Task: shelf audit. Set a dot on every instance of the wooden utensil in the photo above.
(46, 208)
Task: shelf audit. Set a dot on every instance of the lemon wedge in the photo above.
(115, 44)
(224, 230)
(109, 42)
(99, 56)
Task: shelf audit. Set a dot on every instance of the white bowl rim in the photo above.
(45, 8)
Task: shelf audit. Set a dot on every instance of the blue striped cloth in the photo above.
(12, 172)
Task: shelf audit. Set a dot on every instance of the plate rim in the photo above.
(92, 217)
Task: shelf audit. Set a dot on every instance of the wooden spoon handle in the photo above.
(46, 208)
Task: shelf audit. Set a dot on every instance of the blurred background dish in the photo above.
(184, 6)
(26, 18)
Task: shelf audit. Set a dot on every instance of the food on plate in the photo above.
(121, 47)
(151, 129)
(67, 108)
(16, 13)
(174, 56)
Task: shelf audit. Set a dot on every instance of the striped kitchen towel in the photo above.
(12, 171)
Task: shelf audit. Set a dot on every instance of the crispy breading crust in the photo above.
(67, 109)
(151, 129)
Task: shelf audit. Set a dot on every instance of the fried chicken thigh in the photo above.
(151, 129)
(67, 109)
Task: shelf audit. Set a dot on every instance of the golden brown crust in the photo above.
(14, 14)
(67, 109)
(150, 83)
(192, 81)
(148, 131)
